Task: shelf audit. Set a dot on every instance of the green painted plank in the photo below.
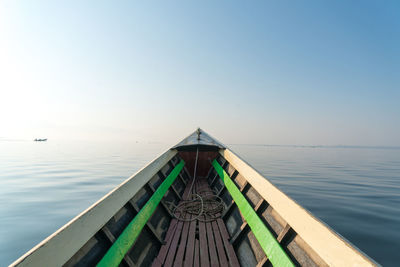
(269, 244)
(116, 253)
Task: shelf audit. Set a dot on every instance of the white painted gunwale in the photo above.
(332, 248)
(59, 247)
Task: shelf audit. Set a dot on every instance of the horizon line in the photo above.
(5, 139)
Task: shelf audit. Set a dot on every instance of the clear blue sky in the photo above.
(274, 72)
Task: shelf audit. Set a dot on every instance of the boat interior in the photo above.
(180, 236)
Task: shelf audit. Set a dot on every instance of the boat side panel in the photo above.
(146, 248)
(60, 246)
(246, 245)
(267, 240)
(203, 161)
(149, 241)
(311, 242)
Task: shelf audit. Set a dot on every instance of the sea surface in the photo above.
(354, 190)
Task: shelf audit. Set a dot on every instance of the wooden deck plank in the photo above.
(211, 248)
(233, 261)
(182, 244)
(191, 237)
(196, 255)
(174, 245)
(191, 244)
(204, 259)
(162, 254)
(218, 242)
(176, 237)
(211, 245)
(203, 246)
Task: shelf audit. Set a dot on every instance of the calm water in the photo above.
(356, 191)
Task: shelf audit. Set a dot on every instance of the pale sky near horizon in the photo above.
(270, 72)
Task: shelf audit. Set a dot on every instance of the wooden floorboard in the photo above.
(163, 253)
(191, 244)
(182, 244)
(197, 243)
(211, 245)
(204, 259)
(203, 247)
(174, 245)
(164, 248)
(196, 255)
(220, 247)
(233, 261)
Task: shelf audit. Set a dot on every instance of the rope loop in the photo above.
(203, 206)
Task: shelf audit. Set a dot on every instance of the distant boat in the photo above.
(40, 139)
(196, 204)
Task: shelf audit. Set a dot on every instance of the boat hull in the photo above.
(132, 225)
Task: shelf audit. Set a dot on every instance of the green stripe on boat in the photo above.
(269, 244)
(116, 253)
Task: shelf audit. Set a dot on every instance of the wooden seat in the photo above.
(196, 243)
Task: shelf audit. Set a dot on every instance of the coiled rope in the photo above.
(203, 206)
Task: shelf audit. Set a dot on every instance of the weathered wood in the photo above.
(221, 190)
(175, 239)
(283, 233)
(163, 205)
(218, 242)
(174, 244)
(183, 180)
(213, 180)
(127, 260)
(244, 228)
(148, 226)
(234, 175)
(162, 177)
(203, 164)
(204, 257)
(262, 262)
(182, 244)
(196, 255)
(332, 248)
(59, 247)
(233, 261)
(229, 209)
(307, 233)
(245, 187)
(175, 192)
(203, 246)
(211, 245)
(170, 237)
(164, 249)
(191, 244)
(209, 171)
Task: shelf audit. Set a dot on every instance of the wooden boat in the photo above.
(197, 204)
